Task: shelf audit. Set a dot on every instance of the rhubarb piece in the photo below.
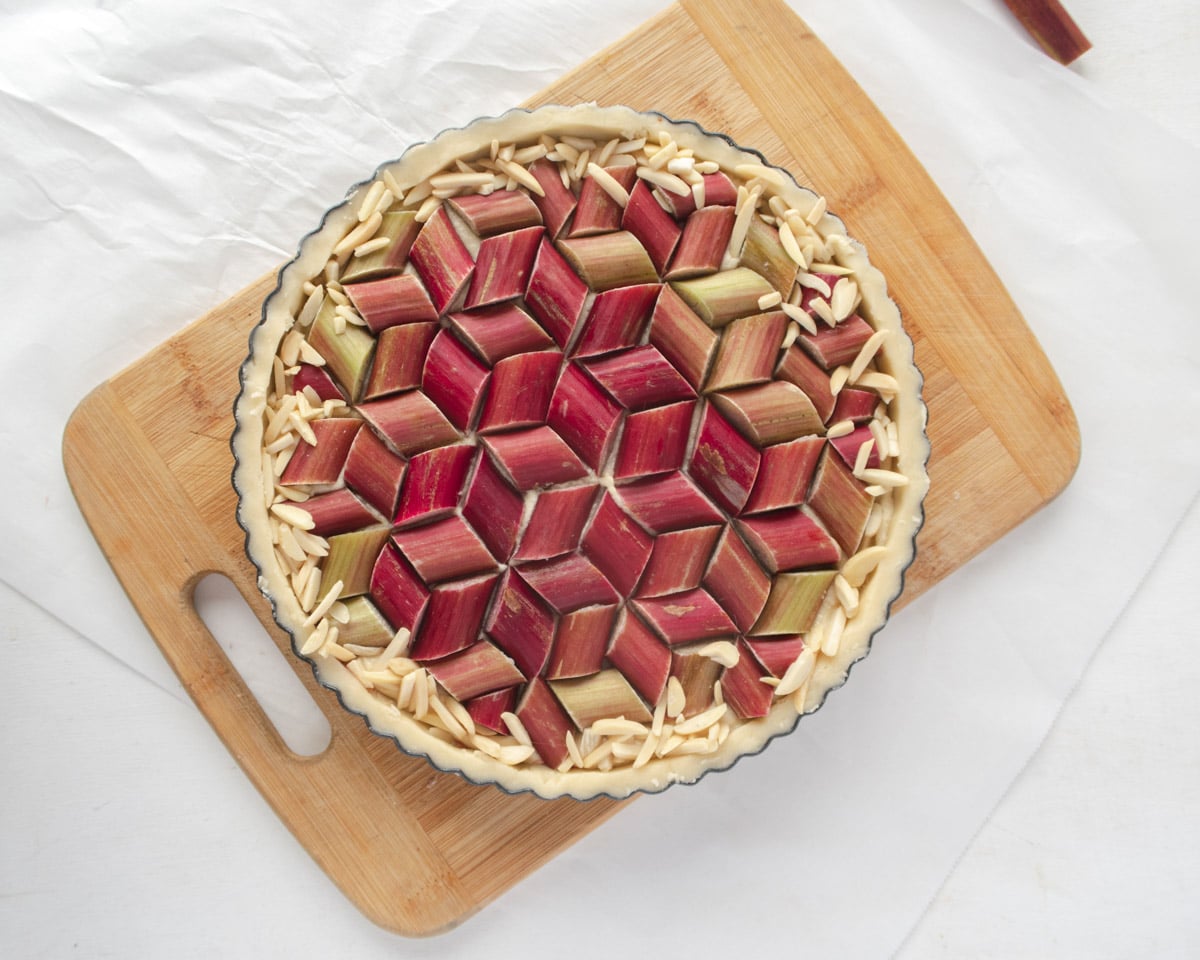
(680, 617)
(441, 260)
(784, 474)
(640, 377)
(682, 337)
(352, 558)
(768, 413)
(555, 294)
(503, 266)
(654, 441)
(617, 318)
(347, 354)
(444, 550)
(497, 212)
(848, 446)
(697, 676)
(410, 421)
(500, 331)
(668, 503)
(748, 350)
(556, 524)
(597, 212)
(521, 624)
(640, 656)
(391, 301)
(718, 191)
(678, 561)
(338, 512)
(488, 710)
(609, 260)
(569, 583)
(397, 590)
(764, 254)
(855, 405)
(536, 457)
(453, 619)
(795, 367)
(581, 641)
(812, 291)
(721, 297)
(724, 463)
(521, 389)
(702, 246)
(833, 346)
(600, 696)
(319, 379)
(743, 688)
(545, 721)
(493, 508)
(583, 415)
(737, 581)
(365, 626)
(776, 654)
(454, 380)
(434, 483)
(840, 500)
(401, 228)
(789, 540)
(480, 668)
(557, 203)
(616, 545)
(399, 359)
(322, 463)
(655, 229)
(794, 601)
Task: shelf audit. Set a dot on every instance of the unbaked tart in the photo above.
(580, 451)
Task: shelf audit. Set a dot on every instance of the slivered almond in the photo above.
(701, 721)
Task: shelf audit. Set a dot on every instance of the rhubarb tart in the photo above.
(580, 451)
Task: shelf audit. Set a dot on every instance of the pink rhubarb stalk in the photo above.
(841, 501)
(480, 668)
(795, 367)
(640, 656)
(399, 359)
(617, 545)
(546, 722)
(442, 261)
(597, 212)
(583, 415)
(536, 457)
(391, 301)
(410, 422)
(569, 583)
(702, 246)
(444, 550)
(374, 472)
(497, 212)
(521, 624)
(784, 473)
(789, 540)
(558, 203)
(651, 224)
(654, 441)
(397, 590)
(453, 619)
(434, 482)
(500, 331)
(338, 512)
(771, 412)
(737, 581)
(681, 617)
(581, 642)
(521, 389)
(743, 688)
(724, 463)
(454, 380)
(678, 561)
(640, 377)
(682, 337)
(324, 462)
(748, 351)
(555, 294)
(503, 267)
(668, 503)
(556, 524)
(616, 319)
(493, 508)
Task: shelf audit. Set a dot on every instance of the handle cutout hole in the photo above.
(264, 668)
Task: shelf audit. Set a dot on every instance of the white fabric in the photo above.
(160, 156)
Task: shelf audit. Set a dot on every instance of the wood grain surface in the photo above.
(419, 851)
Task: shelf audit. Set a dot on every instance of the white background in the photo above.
(127, 830)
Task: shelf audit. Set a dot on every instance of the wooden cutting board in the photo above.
(147, 454)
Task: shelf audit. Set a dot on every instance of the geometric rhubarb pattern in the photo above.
(584, 465)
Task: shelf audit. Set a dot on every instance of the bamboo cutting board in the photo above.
(419, 851)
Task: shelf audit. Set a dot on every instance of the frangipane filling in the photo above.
(579, 452)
